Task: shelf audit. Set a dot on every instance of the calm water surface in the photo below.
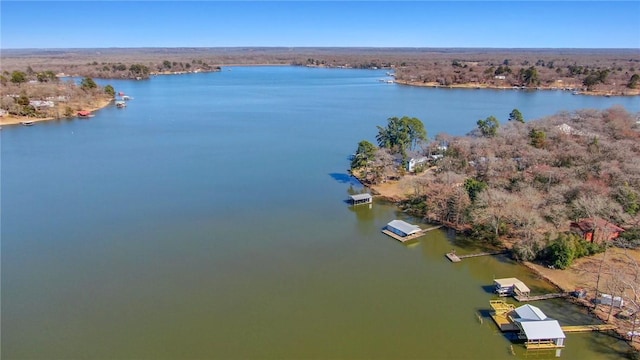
(206, 220)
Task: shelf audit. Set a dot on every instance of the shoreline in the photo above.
(392, 192)
(18, 120)
(587, 303)
(473, 86)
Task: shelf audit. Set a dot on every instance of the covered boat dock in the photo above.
(510, 287)
(359, 199)
(402, 231)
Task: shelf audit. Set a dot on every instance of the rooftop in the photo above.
(529, 313)
(542, 330)
(405, 227)
(358, 197)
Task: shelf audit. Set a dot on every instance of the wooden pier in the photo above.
(542, 345)
(499, 314)
(402, 239)
(453, 257)
(586, 328)
(457, 258)
(524, 298)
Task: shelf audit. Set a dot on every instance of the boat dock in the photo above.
(524, 298)
(499, 314)
(453, 257)
(586, 328)
(404, 239)
(457, 258)
(541, 345)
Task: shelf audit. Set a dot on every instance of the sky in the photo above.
(468, 24)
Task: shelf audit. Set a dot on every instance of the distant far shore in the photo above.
(625, 92)
(600, 72)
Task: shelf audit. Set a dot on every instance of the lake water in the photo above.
(207, 220)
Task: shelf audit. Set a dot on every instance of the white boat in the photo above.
(27, 123)
(121, 104)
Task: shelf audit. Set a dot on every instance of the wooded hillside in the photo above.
(523, 184)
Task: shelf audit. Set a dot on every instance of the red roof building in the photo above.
(596, 230)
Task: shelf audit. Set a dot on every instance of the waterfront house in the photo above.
(401, 228)
(413, 162)
(360, 199)
(596, 230)
(510, 287)
(41, 104)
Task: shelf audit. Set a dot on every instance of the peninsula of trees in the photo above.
(30, 95)
(519, 184)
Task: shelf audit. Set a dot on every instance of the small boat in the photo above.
(126, 97)
(121, 104)
(27, 123)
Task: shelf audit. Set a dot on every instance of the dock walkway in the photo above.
(457, 258)
(524, 298)
(453, 257)
(586, 328)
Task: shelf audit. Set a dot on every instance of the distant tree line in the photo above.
(610, 72)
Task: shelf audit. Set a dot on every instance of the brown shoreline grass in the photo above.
(18, 120)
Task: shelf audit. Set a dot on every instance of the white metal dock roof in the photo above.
(358, 197)
(405, 227)
(541, 330)
(508, 282)
(530, 313)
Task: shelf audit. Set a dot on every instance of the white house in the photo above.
(413, 162)
(41, 104)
